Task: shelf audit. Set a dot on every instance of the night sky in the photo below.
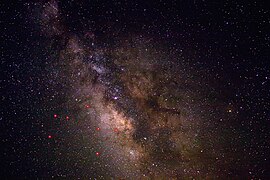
(135, 89)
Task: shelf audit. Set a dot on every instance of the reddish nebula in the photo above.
(115, 130)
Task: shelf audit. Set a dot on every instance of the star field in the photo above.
(135, 90)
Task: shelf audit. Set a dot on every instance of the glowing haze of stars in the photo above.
(132, 133)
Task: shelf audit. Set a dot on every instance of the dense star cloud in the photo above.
(129, 90)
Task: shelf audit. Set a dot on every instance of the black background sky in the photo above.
(228, 39)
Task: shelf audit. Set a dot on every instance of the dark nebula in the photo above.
(135, 90)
